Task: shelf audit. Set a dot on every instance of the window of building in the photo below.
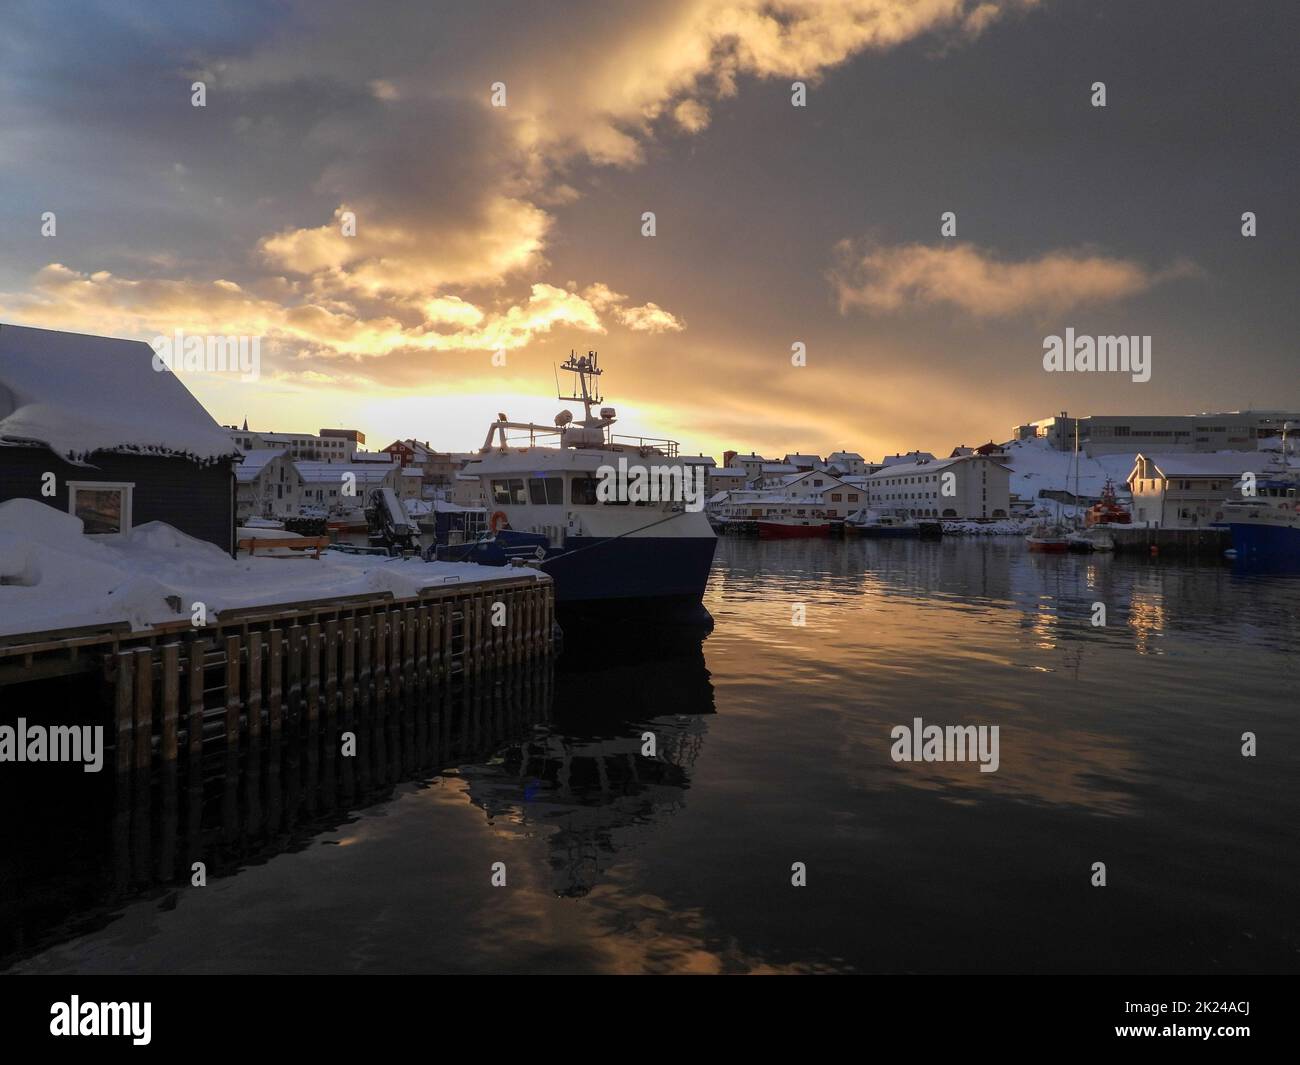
(104, 507)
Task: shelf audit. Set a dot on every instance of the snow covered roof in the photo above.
(412, 471)
(367, 473)
(910, 457)
(255, 462)
(78, 394)
(1210, 464)
(907, 469)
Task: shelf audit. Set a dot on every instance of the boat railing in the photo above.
(668, 447)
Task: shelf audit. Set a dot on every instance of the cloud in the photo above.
(883, 278)
(648, 318)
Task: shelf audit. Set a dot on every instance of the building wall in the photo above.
(982, 489)
(197, 500)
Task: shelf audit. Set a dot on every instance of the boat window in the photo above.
(546, 490)
(582, 492)
(500, 492)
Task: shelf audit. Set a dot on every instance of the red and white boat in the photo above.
(1048, 538)
(792, 528)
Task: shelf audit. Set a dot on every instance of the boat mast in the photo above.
(584, 367)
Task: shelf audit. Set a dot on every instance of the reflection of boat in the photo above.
(1046, 537)
(792, 528)
(586, 781)
(619, 554)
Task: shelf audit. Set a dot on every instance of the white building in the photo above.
(330, 445)
(815, 494)
(961, 488)
(340, 487)
(847, 463)
(267, 485)
(752, 464)
(803, 463)
(1186, 490)
(725, 479)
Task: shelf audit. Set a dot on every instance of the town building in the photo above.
(268, 485)
(337, 487)
(1116, 434)
(1187, 491)
(87, 425)
(330, 445)
(971, 487)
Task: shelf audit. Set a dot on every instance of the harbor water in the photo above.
(539, 836)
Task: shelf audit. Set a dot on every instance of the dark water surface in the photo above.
(1119, 744)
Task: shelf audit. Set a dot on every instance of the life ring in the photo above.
(498, 521)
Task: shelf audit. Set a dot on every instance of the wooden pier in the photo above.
(174, 687)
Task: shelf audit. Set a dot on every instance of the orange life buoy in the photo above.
(498, 521)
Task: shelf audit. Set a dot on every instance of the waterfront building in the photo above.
(1187, 491)
(979, 488)
(344, 487)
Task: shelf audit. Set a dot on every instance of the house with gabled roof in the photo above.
(98, 427)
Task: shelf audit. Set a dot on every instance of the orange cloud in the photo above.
(886, 279)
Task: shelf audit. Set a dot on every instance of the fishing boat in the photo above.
(1265, 527)
(611, 553)
(1265, 524)
(1048, 537)
(1107, 510)
(792, 528)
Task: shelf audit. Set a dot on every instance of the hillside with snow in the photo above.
(1036, 466)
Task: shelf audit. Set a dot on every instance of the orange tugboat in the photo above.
(1107, 511)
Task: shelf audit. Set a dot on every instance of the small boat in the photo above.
(1048, 538)
(1095, 538)
(880, 524)
(792, 528)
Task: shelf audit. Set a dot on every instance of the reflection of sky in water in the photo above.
(1119, 744)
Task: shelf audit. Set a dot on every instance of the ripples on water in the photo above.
(1118, 744)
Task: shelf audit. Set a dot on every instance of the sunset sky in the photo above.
(519, 228)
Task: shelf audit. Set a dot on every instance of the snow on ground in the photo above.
(1004, 527)
(1036, 465)
(52, 576)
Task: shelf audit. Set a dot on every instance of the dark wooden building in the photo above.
(99, 428)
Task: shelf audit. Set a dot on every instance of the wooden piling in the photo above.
(143, 707)
(275, 681)
(194, 728)
(171, 698)
(124, 667)
(254, 685)
(313, 670)
(234, 703)
(331, 668)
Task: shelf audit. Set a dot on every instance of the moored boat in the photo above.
(1048, 538)
(792, 528)
(613, 554)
